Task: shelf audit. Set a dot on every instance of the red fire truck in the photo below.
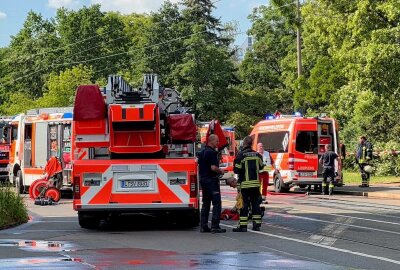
(5, 137)
(228, 154)
(35, 137)
(132, 153)
(296, 143)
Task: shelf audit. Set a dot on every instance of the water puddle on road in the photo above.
(44, 263)
(32, 245)
(127, 258)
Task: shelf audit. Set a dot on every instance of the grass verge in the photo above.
(350, 178)
(12, 208)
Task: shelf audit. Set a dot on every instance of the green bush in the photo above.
(12, 208)
(385, 163)
(349, 164)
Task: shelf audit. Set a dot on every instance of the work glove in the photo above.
(239, 201)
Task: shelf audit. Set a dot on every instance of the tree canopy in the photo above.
(350, 50)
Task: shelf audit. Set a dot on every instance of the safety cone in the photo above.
(185, 152)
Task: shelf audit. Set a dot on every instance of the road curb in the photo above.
(352, 193)
(373, 194)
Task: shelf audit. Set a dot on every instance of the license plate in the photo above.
(135, 183)
(3, 169)
(307, 174)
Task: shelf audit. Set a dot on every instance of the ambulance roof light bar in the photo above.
(227, 128)
(36, 112)
(279, 116)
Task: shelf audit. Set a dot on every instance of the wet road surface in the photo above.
(298, 232)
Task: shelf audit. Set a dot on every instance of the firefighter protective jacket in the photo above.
(247, 165)
(364, 152)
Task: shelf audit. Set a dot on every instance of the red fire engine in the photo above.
(228, 153)
(5, 143)
(133, 153)
(35, 137)
(296, 143)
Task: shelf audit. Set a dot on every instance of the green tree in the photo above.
(60, 88)
(17, 102)
(207, 71)
(90, 36)
(263, 69)
(136, 28)
(165, 41)
(31, 53)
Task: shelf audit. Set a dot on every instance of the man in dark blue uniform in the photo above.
(209, 172)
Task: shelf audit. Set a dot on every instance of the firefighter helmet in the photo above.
(368, 169)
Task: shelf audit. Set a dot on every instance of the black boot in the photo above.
(256, 227)
(205, 229)
(218, 230)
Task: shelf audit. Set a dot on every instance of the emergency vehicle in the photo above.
(4, 147)
(132, 153)
(228, 154)
(296, 143)
(35, 137)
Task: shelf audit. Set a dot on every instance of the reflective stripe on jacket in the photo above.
(247, 165)
(364, 152)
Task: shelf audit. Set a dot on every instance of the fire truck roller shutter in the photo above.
(41, 144)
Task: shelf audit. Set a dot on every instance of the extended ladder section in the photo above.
(132, 122)
(134, 129)
(133, 116)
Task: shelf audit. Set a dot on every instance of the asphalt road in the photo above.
(298, 232)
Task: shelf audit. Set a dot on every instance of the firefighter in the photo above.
(248, 164)
(209, 172)
(363, 159)
(327, 161)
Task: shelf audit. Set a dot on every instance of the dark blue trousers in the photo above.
(211, 194)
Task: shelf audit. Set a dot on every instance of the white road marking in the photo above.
(334, 229)
(326, 204)
(339, 215)
(332, 222)
(355, 203)
(321, 246)
(298, 256)
(30, 231)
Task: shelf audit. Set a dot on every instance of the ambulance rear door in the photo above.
(305, 153)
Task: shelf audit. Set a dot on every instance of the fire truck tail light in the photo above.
(291, 162)
(193, 185)
(76, 187)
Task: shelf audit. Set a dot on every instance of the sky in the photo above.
(13, 12)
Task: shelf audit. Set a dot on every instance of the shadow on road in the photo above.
(143, 222)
